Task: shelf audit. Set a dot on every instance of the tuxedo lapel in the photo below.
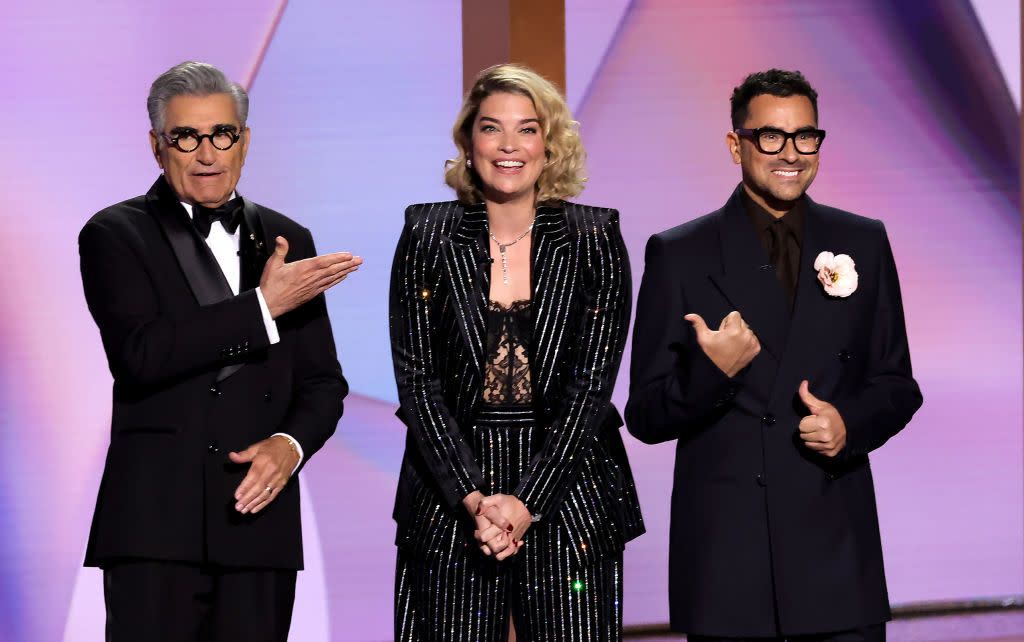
(252, 247)
(197, 263)
(748, 281)
(467, 259)
(553, 292)
(204, 276)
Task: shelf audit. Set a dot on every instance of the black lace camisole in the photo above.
(507, 366)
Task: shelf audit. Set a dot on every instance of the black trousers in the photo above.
(874, 633)
(159, 601)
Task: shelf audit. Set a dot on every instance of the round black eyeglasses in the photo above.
(769, 140)
(190, 140)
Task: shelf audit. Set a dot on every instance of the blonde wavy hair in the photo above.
(563, 174)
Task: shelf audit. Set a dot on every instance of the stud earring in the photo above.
(469, 162)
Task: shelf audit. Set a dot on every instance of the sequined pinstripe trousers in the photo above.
(453, 593)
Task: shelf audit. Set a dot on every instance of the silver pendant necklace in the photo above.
(502, 247)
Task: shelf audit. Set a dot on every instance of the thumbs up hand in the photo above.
(824, 430)
(731, 347)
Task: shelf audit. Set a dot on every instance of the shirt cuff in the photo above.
(268, 321)
(296, 444)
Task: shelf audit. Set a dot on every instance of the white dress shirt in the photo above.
(225, 249)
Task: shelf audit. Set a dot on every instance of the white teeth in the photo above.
(509, 163)
(782, 172)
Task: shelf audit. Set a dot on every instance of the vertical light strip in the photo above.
(1001, 22)
(261, 53)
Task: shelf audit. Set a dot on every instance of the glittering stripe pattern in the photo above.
(591, 267)
(414, 288)
(452, 592)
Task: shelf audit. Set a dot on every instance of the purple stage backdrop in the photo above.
(351, 108)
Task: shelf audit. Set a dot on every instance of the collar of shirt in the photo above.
(763, 219)
(224, 247)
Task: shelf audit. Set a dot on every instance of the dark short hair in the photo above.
(775, 82)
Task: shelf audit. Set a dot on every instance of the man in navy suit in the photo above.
(770, 344)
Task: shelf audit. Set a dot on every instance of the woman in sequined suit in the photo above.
(508, 311)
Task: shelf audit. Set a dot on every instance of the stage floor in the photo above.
(987, 627)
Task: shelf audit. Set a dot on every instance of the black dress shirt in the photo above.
(780, 237)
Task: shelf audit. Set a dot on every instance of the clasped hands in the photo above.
(734, 345)
(501, 521)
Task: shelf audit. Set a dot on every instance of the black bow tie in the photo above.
(229, 214)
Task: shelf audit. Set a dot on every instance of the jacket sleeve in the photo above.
(318, 386)
(145, 343)
(600, 340)
(890, 395)
(439, 440)
(674, 387)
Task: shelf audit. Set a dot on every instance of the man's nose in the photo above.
(206, 152)
(789, 153)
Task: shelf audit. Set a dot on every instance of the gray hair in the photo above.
(192, 78)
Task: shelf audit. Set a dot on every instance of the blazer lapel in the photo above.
(198, 265)
(552, 293)
(467, 259)
(748, 281)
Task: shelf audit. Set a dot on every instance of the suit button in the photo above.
(761, 481)
(768, 419)
(844, 356)
(266, 397)
(213, 448)
(215, 390)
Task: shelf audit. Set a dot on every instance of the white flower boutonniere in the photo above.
(836, 273)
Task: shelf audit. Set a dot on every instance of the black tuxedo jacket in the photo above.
(752, 508)
(580, 478)
(196, 378)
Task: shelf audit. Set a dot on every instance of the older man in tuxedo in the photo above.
(226, 381)
(774, 406)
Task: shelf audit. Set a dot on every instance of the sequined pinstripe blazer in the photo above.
(580, 479)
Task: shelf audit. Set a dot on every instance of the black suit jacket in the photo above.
(581, 306)
(753, 508)
(196, 378)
